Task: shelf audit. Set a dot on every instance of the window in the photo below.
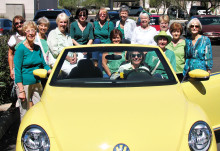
(87, 72)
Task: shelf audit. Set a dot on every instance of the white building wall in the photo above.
(28, 7)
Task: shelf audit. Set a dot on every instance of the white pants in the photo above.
(33, 93)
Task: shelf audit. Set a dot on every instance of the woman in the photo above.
(152, 59)
(144, 34)
(102, 27)
(125, 25)
(198, 49)
(28, 57)
(164, 21)
(111, 66)
(41, 38)
(57, 40)
(81, 31)
(177, 45)
(102, 30)
(16, 38)
(136, 61)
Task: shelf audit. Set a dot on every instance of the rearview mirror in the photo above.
(199, 75)
(40, 73)
(113, 57)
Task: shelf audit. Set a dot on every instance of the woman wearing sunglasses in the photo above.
(28, 57)
(198, 49)
(16, 38)
(136, 61)
(81, 31)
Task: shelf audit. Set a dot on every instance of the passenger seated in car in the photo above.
(111, 66)
(156, 67)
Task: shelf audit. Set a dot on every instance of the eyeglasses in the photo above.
(102, 14)
(30, 31)
(196, 26)
(135, 55)
(17, 23)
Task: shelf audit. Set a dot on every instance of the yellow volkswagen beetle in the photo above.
(135, 108)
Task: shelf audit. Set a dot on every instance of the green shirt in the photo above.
(152, 60)
(44, 45)
(179, 51)
(26, 62)
(114, 65)
(82, 37)
(122, 31)
(103, 33)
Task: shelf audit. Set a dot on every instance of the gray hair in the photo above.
(144, 14)
(43, 20)
(194, 20)
(62, 16)
(124, 8)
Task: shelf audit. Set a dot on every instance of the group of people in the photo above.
(30, 48)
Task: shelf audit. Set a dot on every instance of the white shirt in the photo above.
(144, 37)
(129, 26)
(128, 66)
(12, 40)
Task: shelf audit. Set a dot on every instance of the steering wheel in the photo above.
(139, 73)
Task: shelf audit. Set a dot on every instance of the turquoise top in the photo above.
(44, 45)
(26, 62)
(179, 51)
(82, 37)
(114, 65)
(103, 33)
(122, 31)
(152, 60)
(198, 56)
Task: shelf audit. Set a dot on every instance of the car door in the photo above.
(207, 95)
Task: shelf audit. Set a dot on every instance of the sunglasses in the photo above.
(196, 26)
(136, 55)
(17, 23)
(82, 15)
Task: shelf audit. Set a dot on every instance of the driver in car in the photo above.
(136, 60)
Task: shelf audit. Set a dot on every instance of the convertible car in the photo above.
(135, 109)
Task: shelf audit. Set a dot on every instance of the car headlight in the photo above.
(35, 138)
(200, 136)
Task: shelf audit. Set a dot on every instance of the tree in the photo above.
(157, 4)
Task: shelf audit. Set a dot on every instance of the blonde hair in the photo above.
(144, 14)
(104, 10)
(30, 24)
(164, 18)
(62, 16)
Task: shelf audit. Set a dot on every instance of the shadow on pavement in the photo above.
(8, 141)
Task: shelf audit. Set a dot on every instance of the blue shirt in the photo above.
(198, 56)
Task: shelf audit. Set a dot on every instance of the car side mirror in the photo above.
(40, 73)
(199, 75)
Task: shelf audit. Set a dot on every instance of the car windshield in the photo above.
(48, 14)
(210, 21)
(129, 66)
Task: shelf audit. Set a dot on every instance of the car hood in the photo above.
(99, 118)
(210, 28)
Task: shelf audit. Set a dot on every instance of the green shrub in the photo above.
(153, 11)
(5, 81)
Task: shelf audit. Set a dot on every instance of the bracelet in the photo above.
(21, 91)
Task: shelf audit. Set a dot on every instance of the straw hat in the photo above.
(162, 34)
